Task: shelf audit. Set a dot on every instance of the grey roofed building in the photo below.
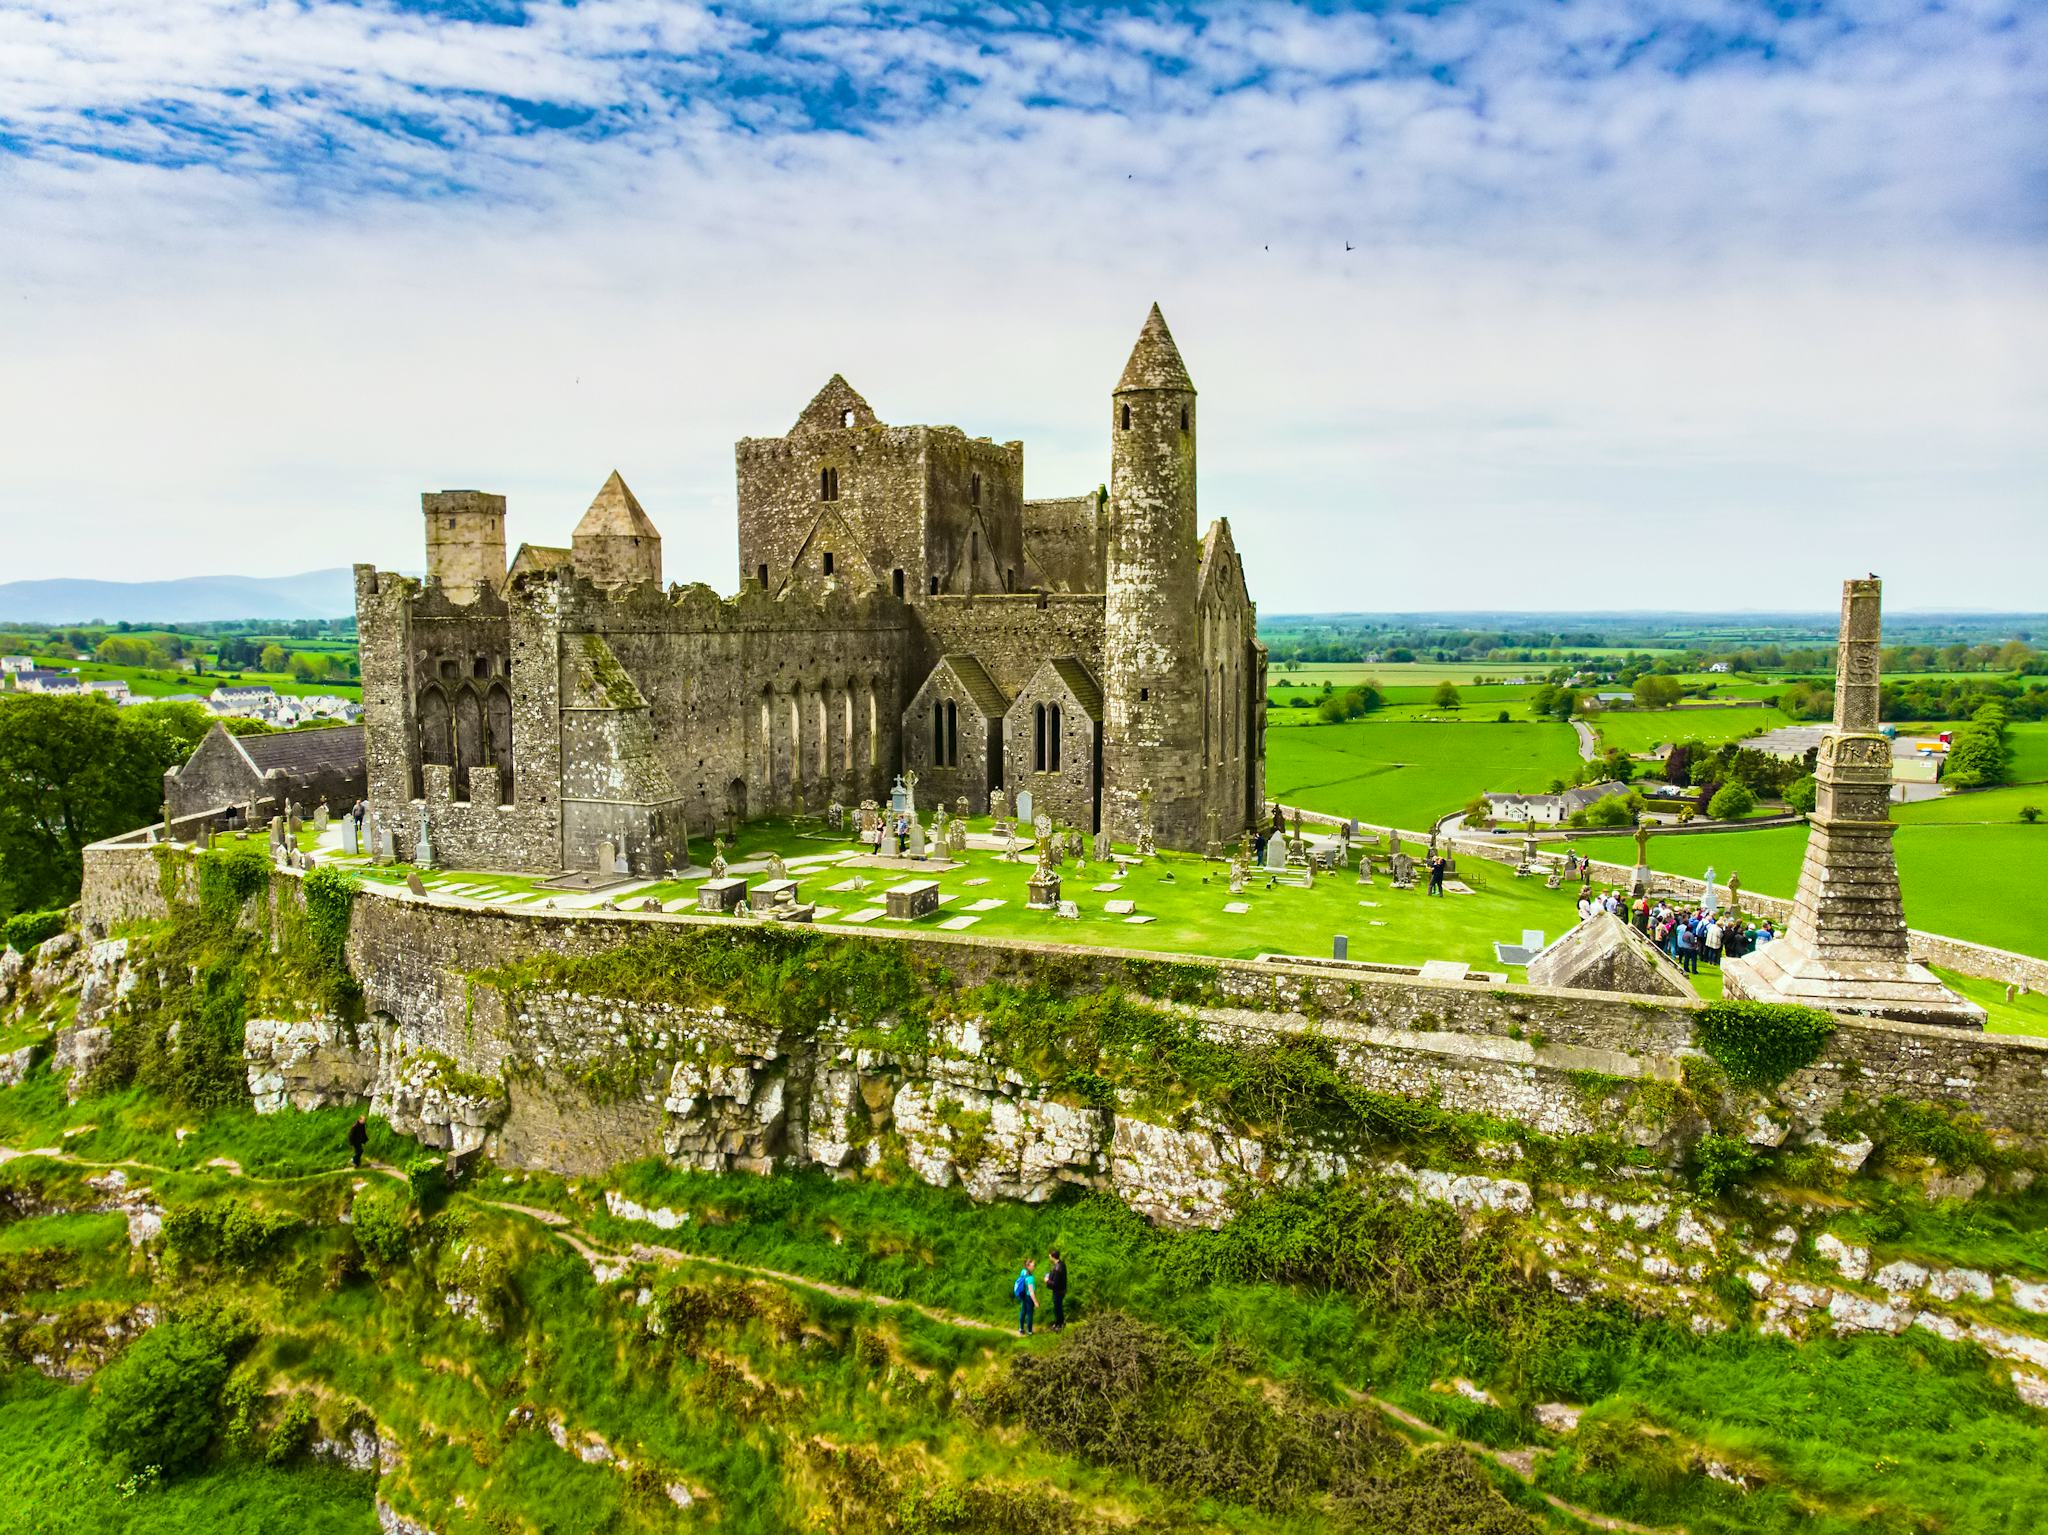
(305, 767)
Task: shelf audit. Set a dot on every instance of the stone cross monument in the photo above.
(1846, 946)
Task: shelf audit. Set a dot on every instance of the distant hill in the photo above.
(196, 599)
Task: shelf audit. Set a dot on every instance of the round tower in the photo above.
(1151, 654)
(465, 541)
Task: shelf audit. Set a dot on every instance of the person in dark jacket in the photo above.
(1056, 1286)
(358, 1138)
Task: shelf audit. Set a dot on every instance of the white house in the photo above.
(41, 680)
(114, 688)
(9, 665)
(1550, 809)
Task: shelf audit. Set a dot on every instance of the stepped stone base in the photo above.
(1886, 988)
(1603, 953)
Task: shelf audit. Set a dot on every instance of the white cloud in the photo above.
(1596, 278)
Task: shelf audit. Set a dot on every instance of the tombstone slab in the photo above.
(912, 899)
(721, 894)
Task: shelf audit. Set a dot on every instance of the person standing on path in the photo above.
(1025, 1291)
(358, 1138)
(1056, 1283)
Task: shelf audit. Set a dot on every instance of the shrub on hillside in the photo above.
(160, 1403)
(1719, 1162)
(379, 1219)
(1611, 811)
(1801, 794)
(30, 928)
(1760, 1044)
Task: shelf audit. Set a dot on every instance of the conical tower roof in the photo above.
(1155, 361)
(616, 514)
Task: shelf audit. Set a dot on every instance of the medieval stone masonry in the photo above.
(901, 607)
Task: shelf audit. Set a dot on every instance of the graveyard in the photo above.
(1164, 902)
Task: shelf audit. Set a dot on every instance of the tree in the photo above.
(272, 658)
(1613, 810)
(1445, 696)
(1678, 764)
(74, 770)
(159, 1404)
(1801, 794)
(1478, 812)
(1977, 754)
(2030, 813)
(1732, 802)
(1655, 692)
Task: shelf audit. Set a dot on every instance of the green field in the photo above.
(1405, 773)
(1402, 673)
(1979, 882)
(1634, 732)
(157, 682)
(1183, 893)
(2029, 743)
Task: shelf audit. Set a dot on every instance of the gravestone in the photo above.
(1102, 847)
(721, 894)
(1240, 872)
(1404, 870)
(899, 797)
(321, 818)
(960, 808)
(1340, 947)
(718, 858)
(914, 898)
(292, 829)
(1071, 910)
(1024, 807)
(835, 816)
(607, 855)
(1054, 846)
(917, 842)
(619, 864)
(349, 844)
(956, 834)
(415, 884)
(999, 808)
(1043, 890)
(423, 850)
(277, 831)
(1710, 902)
(1276, 852)
(387, 846)
(777, 869)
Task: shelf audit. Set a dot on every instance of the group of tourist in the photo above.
(1688, 934)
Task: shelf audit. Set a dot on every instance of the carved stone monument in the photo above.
(1845, 948)
(1042, 893)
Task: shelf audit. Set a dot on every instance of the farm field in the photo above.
(1634, 732)
(2029, 743)
(1409, 773)
(1401, 673)
(1980, 882)
(155, 682)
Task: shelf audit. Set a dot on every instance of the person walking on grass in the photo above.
(1056, 1286)
(1025, 1293)
(358, 1138)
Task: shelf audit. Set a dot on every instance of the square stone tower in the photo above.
(1846, 946)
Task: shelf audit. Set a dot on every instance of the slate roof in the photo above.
(337, 747)
(1155, 361)
(1087, 692)
(980, 686)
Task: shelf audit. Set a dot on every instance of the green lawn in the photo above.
(1408, 773)
(1634, 732)
(1982, 883)
(1978, 807)
(2027, 1013)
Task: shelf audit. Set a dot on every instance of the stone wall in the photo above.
(1466, 1042)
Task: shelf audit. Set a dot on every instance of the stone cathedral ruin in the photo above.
(902, 607)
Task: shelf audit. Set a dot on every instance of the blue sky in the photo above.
(1597, 304)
